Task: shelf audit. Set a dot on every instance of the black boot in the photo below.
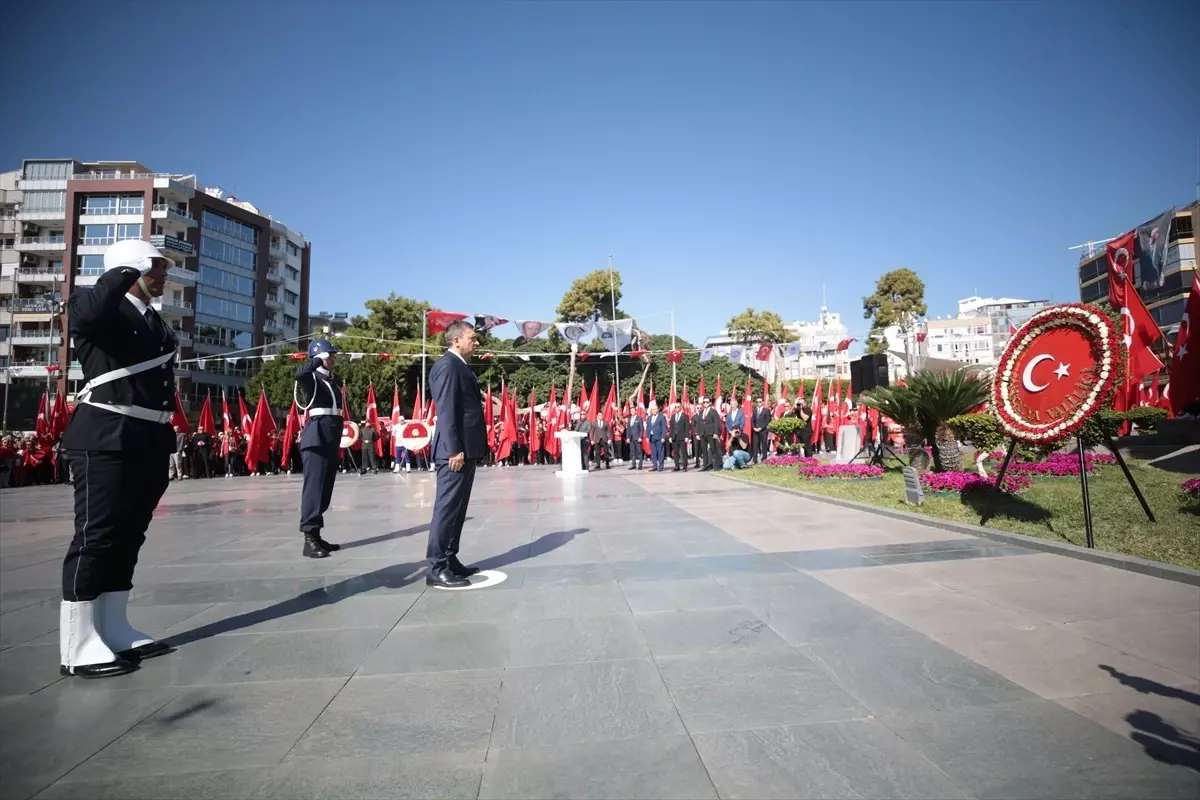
(312, 547)
(326, 546)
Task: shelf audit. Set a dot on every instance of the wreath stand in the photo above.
(1083, 484)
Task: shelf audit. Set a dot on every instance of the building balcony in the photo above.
(165, 212)
(41, 244)
(40, 274)
(274, 276)
(181, 276)
(274, 328)
(183, 186)
(173, 308)
(23, 339)
(274, 303)
(42, 215)
(184, 339)
(41, 369)
(173, 244)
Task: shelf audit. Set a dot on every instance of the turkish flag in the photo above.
(289, 434)
(373, 417)
(747, 409)
(764, 352)
(594, 401)
(437, 321)
(1138, 328)
(206, 425)
(815, 410)
(675, 357)
(59, 418)
(42, 429)
(508, 427)
(610, 404)
(259, 445)
(700, 387)
(247, 420)
(535, 440)
(673, 399)
(687, 403)
(180, 419)
(1185, 360)
(226, 424)
(551, 443)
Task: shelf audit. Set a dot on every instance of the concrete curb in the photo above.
(1155, 569)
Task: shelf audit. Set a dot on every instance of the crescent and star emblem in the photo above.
(1027, 376)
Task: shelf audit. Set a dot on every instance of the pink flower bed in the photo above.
(959, 482)
(844, 472)
(1191, 488)
(789, 460)
(1060, 465)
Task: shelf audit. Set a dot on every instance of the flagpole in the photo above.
(673, 365)
(424, 331)
(612, 293)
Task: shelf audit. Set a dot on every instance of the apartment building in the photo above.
(241, 277)
(1166, 303)
(817, 343)
(979, 331)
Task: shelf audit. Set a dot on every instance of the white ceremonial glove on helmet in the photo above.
(136, 253)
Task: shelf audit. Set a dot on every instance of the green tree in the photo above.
(762, 327)
(899, 299)
(876, 342)
(591, 298)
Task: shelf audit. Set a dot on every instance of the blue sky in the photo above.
(480, 156)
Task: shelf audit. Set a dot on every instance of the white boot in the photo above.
(113, 620)
(81, 649)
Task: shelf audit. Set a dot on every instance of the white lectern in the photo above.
(848, 444)
(572, 457)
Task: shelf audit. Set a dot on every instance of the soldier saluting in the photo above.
(319, 443)
(119, 443)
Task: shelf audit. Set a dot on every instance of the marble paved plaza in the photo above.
(658, 636)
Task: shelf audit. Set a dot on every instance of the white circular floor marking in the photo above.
(480, 580)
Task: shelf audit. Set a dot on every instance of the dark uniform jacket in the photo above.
(110, 333)
(323, 391)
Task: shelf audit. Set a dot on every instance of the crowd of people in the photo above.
(704, 436)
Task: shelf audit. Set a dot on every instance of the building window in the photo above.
(228, 253)
(89, 265)
(290, 297)
(3, 333)
(218, 307)
(293, 250)
(98, 234)
(230, 282)
(99, 204)
(1094, 291)
(133, 204)
(47, 170)
(230, 227)
(292, 273)
(129, 230)
(290, 322)
(44, 202)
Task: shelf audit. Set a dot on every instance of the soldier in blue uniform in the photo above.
(118, 443)
(319, 443)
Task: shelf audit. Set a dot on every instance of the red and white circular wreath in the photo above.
(1101, 335)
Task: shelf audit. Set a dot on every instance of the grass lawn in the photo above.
(1052, 509)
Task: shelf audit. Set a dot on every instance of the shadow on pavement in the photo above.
(394, 577)
(1161, 740)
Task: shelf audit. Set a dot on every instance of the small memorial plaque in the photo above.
(913, 493)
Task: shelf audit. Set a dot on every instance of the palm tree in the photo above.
(942, 395)
(900, 404)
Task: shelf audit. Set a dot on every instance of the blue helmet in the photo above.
(320, 347)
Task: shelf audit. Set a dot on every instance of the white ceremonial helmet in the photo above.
(136, 253)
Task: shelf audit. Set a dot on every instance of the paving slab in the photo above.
(711, 639)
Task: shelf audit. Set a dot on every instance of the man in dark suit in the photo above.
(759, 422)
(656, 431)
(319, 442)
(699, 446)
(119, 443)
(635, 430)
(710, 434)
(680, 432)
(600, 437)
(459, 441)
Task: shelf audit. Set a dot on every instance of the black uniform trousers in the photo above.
(759, 445)
(115, 497)
(713, 456)
(679, 453)
(320, 471)
(449, 512)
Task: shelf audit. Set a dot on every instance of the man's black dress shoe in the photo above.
(328, 547)
(446, 579)
(460, 569)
